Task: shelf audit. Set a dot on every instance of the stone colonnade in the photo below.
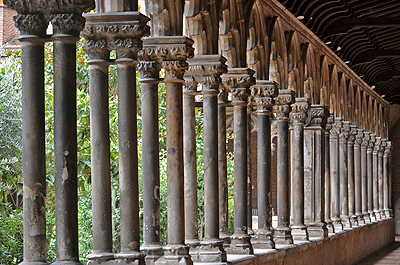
(336, 166)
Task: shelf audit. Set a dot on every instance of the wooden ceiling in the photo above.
(364, 33)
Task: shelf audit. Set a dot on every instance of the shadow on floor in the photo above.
(388, 255)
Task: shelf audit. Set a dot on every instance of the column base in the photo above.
(318, 230)
(346, 221)
(299, 232)
(383, 214)
(360, 219)
(70, 262)
(240, 244)
(388, 213)
(175, 254)
(128, 258)
(250, 232)
(100, 258)
(353, 220)
(211, 250)
(282, 235)
(34, 263)
(152, 252)
(337, 225)
(367, 218)
(226, 238)
(263, 239)
(329, 226)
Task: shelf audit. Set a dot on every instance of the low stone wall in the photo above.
(344, 248)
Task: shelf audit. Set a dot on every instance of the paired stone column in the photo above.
(371, 143)
(364, 177)
(327, 175)
(298, 117)
(380, 178)
(314, 172)
(175, 52)
(386, 165)
(343, 175)
(351, 175)
(249, 182)
(282, 233)
(375, 173)
(334, 167)
(149, 68)
(358, 179)
(207, 69)
(263, 94)
(33, 28)
(64, 40)
(239, 80)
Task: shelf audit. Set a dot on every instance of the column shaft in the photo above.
(370, 181)
(364, 176)
(375, 184)
(358, 177)
(380, 181)
(351, 176)
(343, 176)
(249, 163)
(33, 152)
(190, 169)
(386, 197)
(65, 151)
(334, 168)
(327, 175)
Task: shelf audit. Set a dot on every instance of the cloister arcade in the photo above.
(251, 60)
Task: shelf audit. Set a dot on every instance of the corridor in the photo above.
(387, 255)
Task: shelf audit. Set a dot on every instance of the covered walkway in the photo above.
(388, 255)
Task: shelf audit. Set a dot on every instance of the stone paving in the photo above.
(388, 255)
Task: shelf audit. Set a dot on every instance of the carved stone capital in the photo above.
(388, 148)
(238, 80)
(377, 145)
(223, 95)
(352, 134)
(299, 111)
(263, 94)
(318, 117)
(31, 24)
(359, 137)
(174, 70)
(329, 121)
(336, 127)
(149, 70)
(121, 31)
(96, 49)
(371, 142)
(365, 142)
(69, 24)
(282, 103)
(383, 146)
(345, 131)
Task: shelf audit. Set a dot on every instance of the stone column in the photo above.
(149, 68)
(282, 233)
(327, 179)
(298, 117)
(209, 69)
(334, 167)
(249, 184)
(98, 52)
(33, 133)
(386, 165)
(127, 44)
(351, 175)
(370, 177)
(380, 178)
(263, 94)
(364, 176)
(189, 158)
(222, 168)
(314, 172)
(343, 177)
(375, 184)
(239, 80)
(65, 127)
(358, 180)
(176, 50)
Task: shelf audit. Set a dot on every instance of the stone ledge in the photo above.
(343, 248)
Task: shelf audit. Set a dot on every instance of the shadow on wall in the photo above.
(395, 183)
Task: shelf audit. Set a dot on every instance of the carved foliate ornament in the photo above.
(239, 80)
(359, 137)
(149, 70)
(96, 49)
(383, 146)
(31, 24)
(377, 145)
(70, 24)
(282, 103)
(222, 95)
(329, 121)
(263, 94)
(298, 115)
(365, 142)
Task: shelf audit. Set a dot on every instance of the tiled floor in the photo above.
(388, 255)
